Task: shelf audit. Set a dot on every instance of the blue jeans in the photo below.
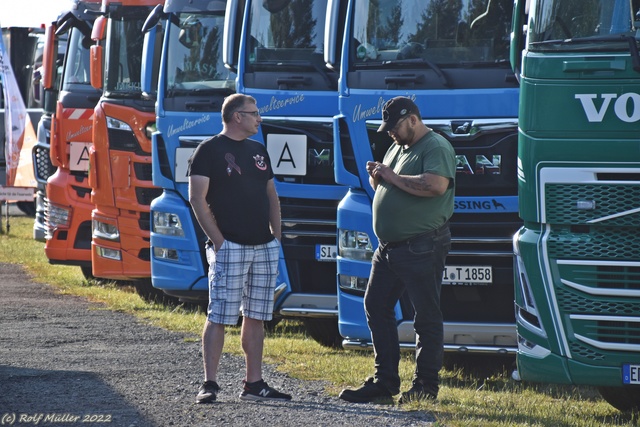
(415, 265)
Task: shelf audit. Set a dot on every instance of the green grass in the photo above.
(480, 393)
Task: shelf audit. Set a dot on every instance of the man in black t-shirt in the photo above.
(234, 199)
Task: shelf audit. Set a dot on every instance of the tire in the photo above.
(28, 208)
(87, 272)
(269, 327)
(625, 399)
(145, 289)
(479, 364)
(324, 331)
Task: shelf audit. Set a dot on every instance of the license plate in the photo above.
(631, 374)
(182, 163)
(467, 275)
(326, 252)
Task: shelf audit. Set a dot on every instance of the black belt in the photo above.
(425, 235)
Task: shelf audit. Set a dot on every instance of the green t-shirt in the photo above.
(398, 215)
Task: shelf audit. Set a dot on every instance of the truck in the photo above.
(577, 260)
(47, 97)
(274, 50)
(452, 59)
(67, 200)
(280, 62)
(120, 156)
(189, 89)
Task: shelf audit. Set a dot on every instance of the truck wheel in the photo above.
(87, 272)
(625, 399)
(145, 289)
(324, 331)
(27, 208)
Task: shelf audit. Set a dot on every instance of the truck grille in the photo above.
(43, 167)
(306, 223)
(145, 195)
(561, 201)
(594, 245)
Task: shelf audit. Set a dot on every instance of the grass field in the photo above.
(476, 391)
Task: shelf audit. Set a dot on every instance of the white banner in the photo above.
(16, 194)
(20, 137)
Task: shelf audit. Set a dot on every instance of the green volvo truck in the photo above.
(577, 257)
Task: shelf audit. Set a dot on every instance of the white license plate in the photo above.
(326, 252)
(631, 374)
(467, 275)
(182, 163)
(79, 156)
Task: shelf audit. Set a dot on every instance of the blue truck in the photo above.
(272, 51)
(186, 38)
(280, 62)
(452, 59)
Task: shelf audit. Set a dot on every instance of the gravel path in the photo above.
(66, 361)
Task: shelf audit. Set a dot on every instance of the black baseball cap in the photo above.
(395, 109)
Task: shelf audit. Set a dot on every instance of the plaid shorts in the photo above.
(242, 276)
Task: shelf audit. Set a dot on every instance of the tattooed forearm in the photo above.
(417, 183)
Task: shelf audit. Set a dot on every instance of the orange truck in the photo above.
(68, 206)
(120, 156)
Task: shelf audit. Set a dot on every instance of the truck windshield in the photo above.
(582, 24)
(194, 60)
(76, 64)
(286, 34)
(452, 34)
(124, 53)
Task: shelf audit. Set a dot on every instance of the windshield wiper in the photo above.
(612, 38)
(173, 92)
(125, 95)
(309, 65)
(419, 61)
(584, 40)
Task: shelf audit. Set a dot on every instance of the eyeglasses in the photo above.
(397, 126)
(253, 113)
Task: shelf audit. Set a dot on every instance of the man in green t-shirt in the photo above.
(414, 191)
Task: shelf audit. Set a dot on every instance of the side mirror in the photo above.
(331, 35)
(98, 34)
(517, 36)
(154, 17)
(231, 41)
(149, 54)
(96, 67)
(99, 29)
(49, 58)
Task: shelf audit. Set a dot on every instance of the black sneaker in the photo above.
(418, 392)
(260, 390)
(207, 392)
(371, 391)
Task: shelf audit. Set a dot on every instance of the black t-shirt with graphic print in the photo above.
(238, 173)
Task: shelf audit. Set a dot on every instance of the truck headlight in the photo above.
(355, 245)
(57, 216)
(353, 282)
(167, 223)
(108, 253)
(116, 124)
(165, 253)
(104, 230)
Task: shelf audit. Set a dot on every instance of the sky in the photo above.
(31, 13)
